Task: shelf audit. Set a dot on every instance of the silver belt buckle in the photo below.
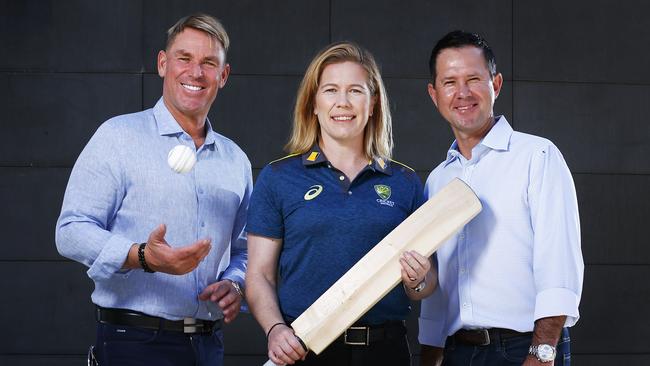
(486, 337)
(190, 326)
(367, 342)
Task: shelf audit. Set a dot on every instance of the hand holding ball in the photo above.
(181, 159)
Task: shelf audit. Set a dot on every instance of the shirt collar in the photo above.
(381, 165)
(315, 156)
(498, 138)
(167, 124)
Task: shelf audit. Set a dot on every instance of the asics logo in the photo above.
(313, 192)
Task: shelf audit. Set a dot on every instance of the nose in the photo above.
(195, 70)
(464, 90)
(342, 100)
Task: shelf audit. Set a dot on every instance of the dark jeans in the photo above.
(394, 352)
(502, 352)
(128, 346)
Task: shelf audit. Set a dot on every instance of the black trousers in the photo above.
(389, 351)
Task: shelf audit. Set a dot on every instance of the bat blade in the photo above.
(378, 272)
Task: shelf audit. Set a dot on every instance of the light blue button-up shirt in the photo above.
(121, 188)
(520, 259)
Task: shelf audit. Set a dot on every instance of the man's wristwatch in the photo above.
(237, 287)
(543, 352)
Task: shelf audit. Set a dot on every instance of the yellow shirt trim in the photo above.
(402, 164)
(285, 157)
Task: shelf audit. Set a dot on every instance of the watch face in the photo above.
(545, 352)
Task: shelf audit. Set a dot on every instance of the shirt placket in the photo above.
(344, 183)
(464, 255)
(201, 213)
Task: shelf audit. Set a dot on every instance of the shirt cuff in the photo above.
(555, 302)
(111, 259)
(431, 332)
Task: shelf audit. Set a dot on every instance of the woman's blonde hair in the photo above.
(378, 135)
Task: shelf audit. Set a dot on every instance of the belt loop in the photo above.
(486, 337)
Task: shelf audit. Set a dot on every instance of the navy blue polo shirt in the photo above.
(327, 223)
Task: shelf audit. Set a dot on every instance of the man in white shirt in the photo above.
(510, 280)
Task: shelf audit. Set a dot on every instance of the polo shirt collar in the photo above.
(498, 138)
(315, 156)
(381, 165)
(167, 124)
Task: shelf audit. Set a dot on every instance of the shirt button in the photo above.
(462, 270)
(349, 192)
(202, 224)
(210, 314)
(329, 166)
(200, 190)
(465, 305)
(342, 177)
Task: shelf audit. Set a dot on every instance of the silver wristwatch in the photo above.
(237, 287)
(543, 352)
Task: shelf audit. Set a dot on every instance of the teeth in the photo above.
(342, 118)
(191, 87)
(464, 108)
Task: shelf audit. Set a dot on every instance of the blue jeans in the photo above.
(129, 346)
(502, 352)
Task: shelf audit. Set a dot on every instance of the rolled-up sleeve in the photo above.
(236, 270)
(432, 320)
(92, 197)
(557, 258)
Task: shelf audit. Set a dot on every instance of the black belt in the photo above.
(136, 319)
(363, 335)
(483, 337)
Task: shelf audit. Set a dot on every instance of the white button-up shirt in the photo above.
(519, 260)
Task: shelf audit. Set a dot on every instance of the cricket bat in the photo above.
(378, 272)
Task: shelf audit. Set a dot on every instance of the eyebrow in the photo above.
(351, 85)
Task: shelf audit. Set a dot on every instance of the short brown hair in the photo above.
(378, 136)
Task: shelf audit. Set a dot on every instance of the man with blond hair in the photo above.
(166, 251)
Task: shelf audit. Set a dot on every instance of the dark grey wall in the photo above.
(576, 72)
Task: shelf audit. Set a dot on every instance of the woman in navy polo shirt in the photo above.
(316, 212)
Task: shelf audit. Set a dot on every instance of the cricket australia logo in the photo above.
(313, 192)
(384, 192)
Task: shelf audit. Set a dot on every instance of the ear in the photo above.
(162, 63)
(224, 75)
(432, 94)
(497, 82)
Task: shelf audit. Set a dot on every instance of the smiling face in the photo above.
(194, 69)
(464, 91)
(343, 102)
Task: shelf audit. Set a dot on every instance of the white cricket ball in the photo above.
(181, 159)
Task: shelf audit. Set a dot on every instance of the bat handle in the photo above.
(270, 363)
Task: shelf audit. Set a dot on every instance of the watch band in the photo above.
(237, 287)
(543, 352)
